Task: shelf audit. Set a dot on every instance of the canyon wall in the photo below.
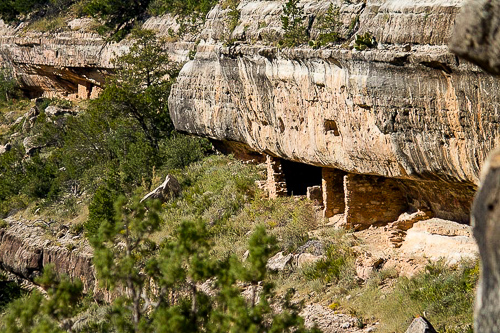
(407, 109)
(74, 63)
(407, 112)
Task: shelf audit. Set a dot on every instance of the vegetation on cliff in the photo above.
(181, 261)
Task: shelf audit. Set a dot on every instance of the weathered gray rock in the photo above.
(168, 189)
(25, 251)
(305, 259)
(30, 118)
(437, 238)
(486, 223)
(366, 264)
(476, 36)
(279, 262)
(30, 145)
(420, 325)
(54, 111)
(5, 148)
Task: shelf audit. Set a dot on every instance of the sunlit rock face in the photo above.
(73, 64)
(408, 109)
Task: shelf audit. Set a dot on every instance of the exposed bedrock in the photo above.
(26, 249)
(75, 63)
(408, 111)
(477, 38)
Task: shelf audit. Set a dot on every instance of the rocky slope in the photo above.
(401, 127)
(408, 109)
(73, 63)
(26, 247)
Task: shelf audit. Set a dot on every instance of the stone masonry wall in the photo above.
(275, 183)
(370, 200)
(333, 192)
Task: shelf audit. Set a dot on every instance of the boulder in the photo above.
(279, 262)
(30, 145)
(5, 148)
(316, 247)
(168, 189)
(436, 238)
(53, 111)
(420, 325)
(307, 259)
(30, 118)
(366, 264)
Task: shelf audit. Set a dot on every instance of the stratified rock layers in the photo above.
(414, 112)
(407, 109)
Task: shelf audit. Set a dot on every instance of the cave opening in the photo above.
(300, 176)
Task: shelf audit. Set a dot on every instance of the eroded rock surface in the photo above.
(74, 63)
(26, 248)
(408, 110)
(476, 37)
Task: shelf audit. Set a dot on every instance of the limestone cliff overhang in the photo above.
(74, 62)
(408, 109)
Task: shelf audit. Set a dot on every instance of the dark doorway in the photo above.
(300, 176)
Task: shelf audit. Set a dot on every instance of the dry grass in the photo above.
(442, 294)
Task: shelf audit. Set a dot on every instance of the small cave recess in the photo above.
(300, 176)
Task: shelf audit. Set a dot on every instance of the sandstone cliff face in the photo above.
(25, 249)
(73, 63)
(413, 118)
(415, 113)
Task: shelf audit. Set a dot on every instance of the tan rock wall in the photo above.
(57, 64)
(275, 184)
(408, 109)
(25, 250)
(333, 192)
(370, 200)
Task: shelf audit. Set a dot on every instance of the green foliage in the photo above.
(364, 41)
(125, 257)
(101, 209)
(182, 7)
(443, 294)
(354, 23)
(139, 91)
(233, 17)
(9, 87)
(41, 10)
(36, 313)
(10, 9)
(261, 247)
(40, 178)
(328, 25)
(287, 219)
(337, 264)
(9, 290)
(179, 151)
(119, 16)
(293, 22)
(125, 134)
